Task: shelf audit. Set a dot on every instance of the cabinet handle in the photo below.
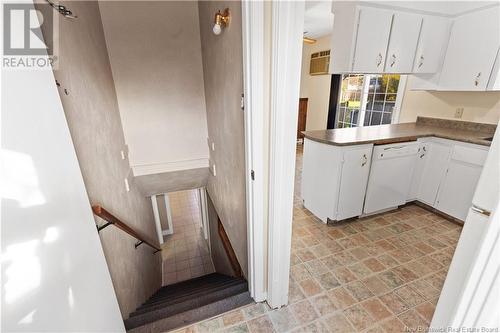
(379, 59)
(422, 156)
(365, 160)
(476, 81)
(393, 60)
(421, 61)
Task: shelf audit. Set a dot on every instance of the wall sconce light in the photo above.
(221, 20)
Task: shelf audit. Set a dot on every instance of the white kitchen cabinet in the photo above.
(403, 42)
(457, 189)
(334, 179)
(434, 169)
(372, 38)
(355, 170)
(471, 52)
(418, 170)
(432, 44)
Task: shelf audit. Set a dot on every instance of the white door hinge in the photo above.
(242, 103)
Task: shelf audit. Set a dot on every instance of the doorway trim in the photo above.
(253, 107)
(286, 62)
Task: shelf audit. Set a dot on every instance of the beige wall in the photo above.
(315, 87)
(92, 114)
(223, 75)
(483, 107)
(155, 54)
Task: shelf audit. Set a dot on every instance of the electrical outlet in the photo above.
(459, 113)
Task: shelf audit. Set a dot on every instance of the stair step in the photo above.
(195, 281)
(192, 303)
(166, 301)
(164, 323)
(183, 290)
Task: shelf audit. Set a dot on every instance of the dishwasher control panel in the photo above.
(395, 150)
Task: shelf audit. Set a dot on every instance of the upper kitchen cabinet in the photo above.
(403, 42)
(372, 37)
(432, 44)
(472, 52)
(381, 40)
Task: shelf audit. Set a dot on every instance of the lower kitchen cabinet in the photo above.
(457, 189)
(334, 179)
(353, 179)
(341, 182)
(446, 175)
(435, 161)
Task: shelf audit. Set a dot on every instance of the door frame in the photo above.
(286, 62)
(253, 107)
(270, 231)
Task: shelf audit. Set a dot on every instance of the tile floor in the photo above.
(377, 274)
(185, 253)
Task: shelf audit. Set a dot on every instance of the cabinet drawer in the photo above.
(469, 155)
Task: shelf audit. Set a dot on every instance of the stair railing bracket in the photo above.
(99, 228)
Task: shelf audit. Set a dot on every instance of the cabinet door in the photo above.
(417, 172)
(471, 52)
(432, 44)
(457, 190)
(354, 177)
(433, 172)
(403, 43)
(374, 26)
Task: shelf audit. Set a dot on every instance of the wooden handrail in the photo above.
(235, 265)
(113, 220)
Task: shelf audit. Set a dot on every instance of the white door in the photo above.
(432, 44)
(463, 258)
(403, 43)
(434, 170)
(471, 52)
(374, 27)
(354, 177)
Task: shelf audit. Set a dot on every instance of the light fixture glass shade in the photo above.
(217, 29)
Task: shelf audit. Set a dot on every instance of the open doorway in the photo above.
(185, 252)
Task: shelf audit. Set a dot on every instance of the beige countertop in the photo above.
(424, 127)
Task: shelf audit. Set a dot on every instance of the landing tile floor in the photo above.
(185, 253)
(377, 274)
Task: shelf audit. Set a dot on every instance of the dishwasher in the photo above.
(390, 176)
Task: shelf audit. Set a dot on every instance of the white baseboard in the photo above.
(148, 169)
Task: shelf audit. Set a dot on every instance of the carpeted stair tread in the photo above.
(189, 301)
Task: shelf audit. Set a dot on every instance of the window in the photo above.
(367, 100)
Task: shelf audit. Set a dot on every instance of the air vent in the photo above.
(320, 63)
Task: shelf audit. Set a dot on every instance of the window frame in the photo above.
(364, 98)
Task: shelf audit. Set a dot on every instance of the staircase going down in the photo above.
(188, 302)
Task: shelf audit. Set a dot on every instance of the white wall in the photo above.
(54, 275)
(483, 107)
(155, 56)
(315, 87)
